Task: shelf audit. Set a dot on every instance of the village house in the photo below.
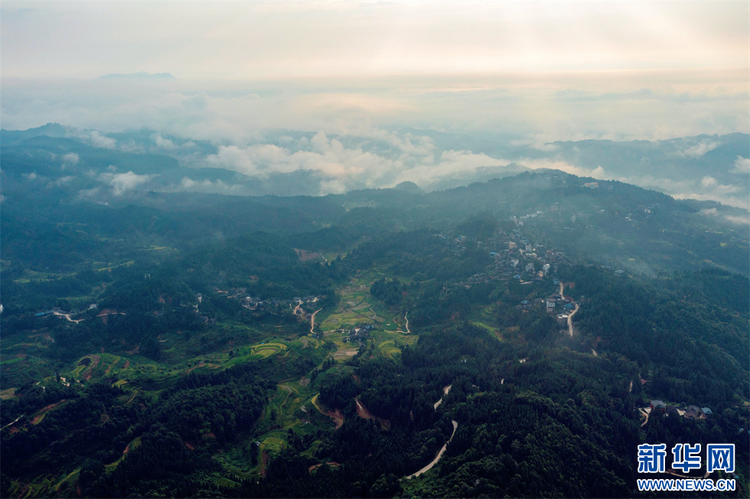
(658, 404)
(693, 412)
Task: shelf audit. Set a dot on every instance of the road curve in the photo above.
(439, 455)
(570, 320)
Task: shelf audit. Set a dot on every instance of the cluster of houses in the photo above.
(561, 306)
(691, 412)
(254, 303)
(357, 334)
(513, 257)
(480, 278)
(55, 311)
(61, 313)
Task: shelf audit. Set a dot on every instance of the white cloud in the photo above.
(598, 172)
(217, 186)
(741, 165)
(738, 219)
(407, 157)
(448, 163)
(64, 180)
(719, 197)
(70, 159)
(124, 182)
(712, 212)
(327, 156)
(162, 142)
(98, 140)
(699, 149)
(735, 219)
(552, 164)
(708, 181)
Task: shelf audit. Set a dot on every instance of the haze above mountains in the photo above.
(105, 167)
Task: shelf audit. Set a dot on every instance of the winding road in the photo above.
(312, 320)
(647, 414)
(439, 455)
(446, 389)
(67, 316)
(570, 320)
(570, 315)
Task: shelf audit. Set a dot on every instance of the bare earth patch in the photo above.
(94, 362)
(363, 413)
(306, 256)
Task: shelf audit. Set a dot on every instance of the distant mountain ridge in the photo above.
(139, 75)
(703, 167)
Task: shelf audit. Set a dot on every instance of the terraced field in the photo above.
(267, 349)
(485, 318)
(357, 307)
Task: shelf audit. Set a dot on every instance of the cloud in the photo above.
(447, 164)
(70, 159)
(741, 165)
(699, 149)
(707, 189)
(162, 142)
(63, 180)
(124, 182)
(554, 164)
(98, 140)
(719, 197)
(735, 219)
(379, 159)
(218, 186)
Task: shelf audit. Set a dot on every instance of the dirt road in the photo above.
(647, 413)
(67, 316)
(15, 421)
(312, 320)
(338, 418)
(439, 455)
(446, 389)
(570, 320)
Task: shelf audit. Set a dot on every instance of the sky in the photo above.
(525, 73)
